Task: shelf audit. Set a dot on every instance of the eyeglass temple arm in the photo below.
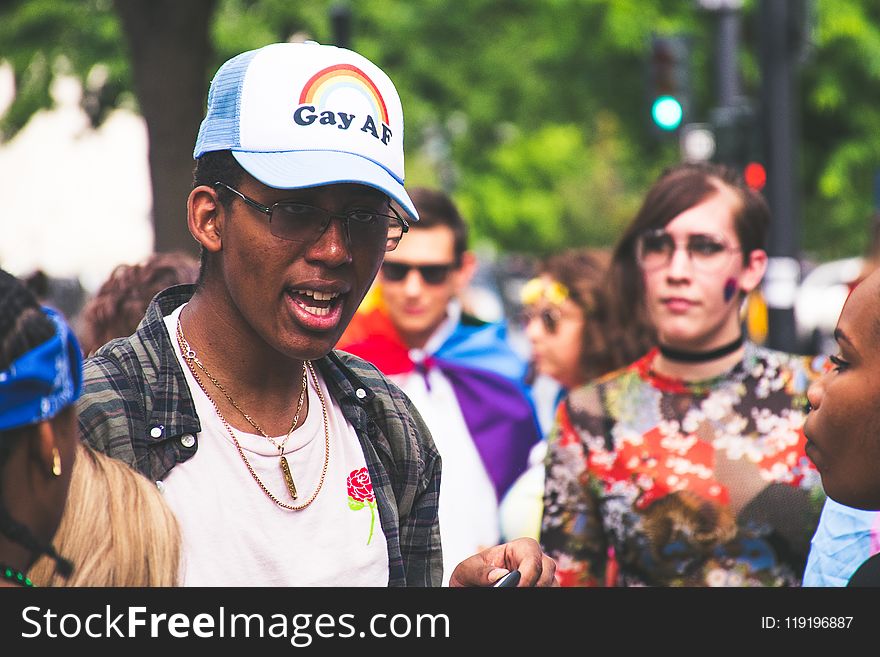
(249, 201)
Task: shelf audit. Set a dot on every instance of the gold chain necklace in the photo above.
(190, 357)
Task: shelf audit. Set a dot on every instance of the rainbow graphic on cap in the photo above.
(343, 76)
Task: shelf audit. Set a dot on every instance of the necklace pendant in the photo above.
(288, 478)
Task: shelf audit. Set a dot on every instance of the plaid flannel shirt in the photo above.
(136, 406)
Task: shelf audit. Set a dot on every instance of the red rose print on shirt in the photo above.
(360, 495)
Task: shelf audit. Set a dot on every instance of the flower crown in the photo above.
(554, 293)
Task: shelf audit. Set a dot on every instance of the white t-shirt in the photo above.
(234, 535)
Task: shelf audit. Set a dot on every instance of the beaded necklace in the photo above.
(15, 576)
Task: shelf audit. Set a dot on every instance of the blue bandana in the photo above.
(44, 380)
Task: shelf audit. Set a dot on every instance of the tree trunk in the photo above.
(170, 51)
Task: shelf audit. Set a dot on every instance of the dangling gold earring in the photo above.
(56, 462)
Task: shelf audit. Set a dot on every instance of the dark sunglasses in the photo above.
(431, 274)
(549, 318)
(301, 222)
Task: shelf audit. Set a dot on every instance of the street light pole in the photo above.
(726, 67)
(780, 126)
(728, 46)
(732, 116)
(340, 18)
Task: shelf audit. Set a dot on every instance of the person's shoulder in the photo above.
(353, 371)
(485, 346)
(614, 376)
(391, 410)
(472, 321)
(361, 367)
(809, 365)
(107, 365)
(604, 382)
(591, 398)
(117, 363)
(496, 331)
(129, 367)
(110, 406)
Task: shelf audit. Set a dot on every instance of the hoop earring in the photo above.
(56, 462)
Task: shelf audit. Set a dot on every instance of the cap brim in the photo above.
(299, 169)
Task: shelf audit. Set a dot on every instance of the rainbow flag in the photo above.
(486, 375)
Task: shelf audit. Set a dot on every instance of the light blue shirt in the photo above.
(844, 539)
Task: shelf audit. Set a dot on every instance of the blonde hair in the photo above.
(117, 529)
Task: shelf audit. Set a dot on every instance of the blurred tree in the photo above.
(43, 38)
(840, 91)
(169, 54)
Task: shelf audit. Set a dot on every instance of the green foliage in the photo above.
(520, 108)
(840, 88)
(41, 38)
(533, 114)
(551, 188)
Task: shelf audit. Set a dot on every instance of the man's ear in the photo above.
(204, 216)
(466, 271)
(754, 271)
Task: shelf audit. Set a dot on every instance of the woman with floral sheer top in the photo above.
(687, 467)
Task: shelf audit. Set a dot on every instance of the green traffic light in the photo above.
(667, 113)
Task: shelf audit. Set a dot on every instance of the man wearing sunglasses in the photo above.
(286, 463)
(460, 372)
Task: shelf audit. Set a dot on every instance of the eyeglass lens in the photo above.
(707, 252)
(303, 223)
(431, 274)
(549, 318)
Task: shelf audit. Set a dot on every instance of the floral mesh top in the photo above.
(652, 481)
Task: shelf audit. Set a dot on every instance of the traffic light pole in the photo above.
(340, 18)
(732, 117)
(780, 125)
(726, 65)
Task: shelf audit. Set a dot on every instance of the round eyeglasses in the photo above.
(301, 222)
(707, 252)
(550, 317)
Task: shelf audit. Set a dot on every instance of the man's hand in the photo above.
(522, 554)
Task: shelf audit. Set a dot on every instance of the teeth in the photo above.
(317, 295)
(315, 310)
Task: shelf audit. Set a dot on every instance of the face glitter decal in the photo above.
(729, 289)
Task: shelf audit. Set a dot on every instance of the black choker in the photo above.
(14, 576)
(700, 356)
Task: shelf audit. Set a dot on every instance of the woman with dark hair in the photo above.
(687, 467)
(566, 311)
(40, 379)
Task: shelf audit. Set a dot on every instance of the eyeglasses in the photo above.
(707, 252)
(300, 222)
(550, 318)
(431, 274)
